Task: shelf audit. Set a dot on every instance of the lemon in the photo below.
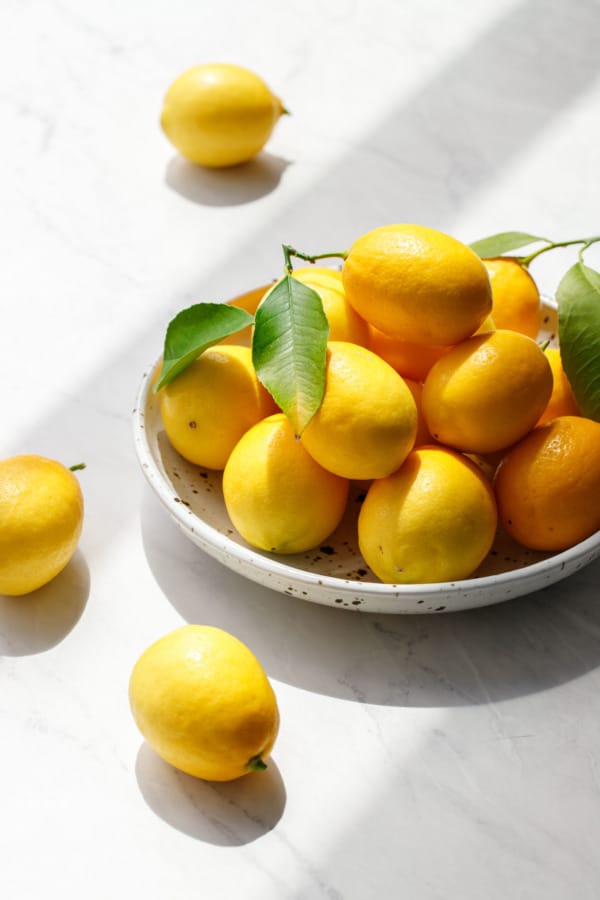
(487, 392)
(209, 406)
(41, 517)
(367, 422)
(277, 497)
(516, 300)
(409, 359)
(433, 520)
(203, 702)
(322, 275)
(344, 322)
(248, 301)
(548, 485)
(562, 401)
(219, 115)
(418, 284)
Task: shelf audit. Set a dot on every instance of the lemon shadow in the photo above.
(229, 813)
(232, 186)
(40, 620)
(520, 647)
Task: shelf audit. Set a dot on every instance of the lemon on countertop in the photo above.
(219, 115)
(203, 702)
(41, 517)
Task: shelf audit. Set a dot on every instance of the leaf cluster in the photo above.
(289, 344)
(578, 300)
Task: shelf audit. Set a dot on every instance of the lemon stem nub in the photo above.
(77, 467)
(256, 764)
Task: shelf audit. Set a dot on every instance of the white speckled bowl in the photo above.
(334, 574)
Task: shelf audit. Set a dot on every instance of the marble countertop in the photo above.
(428, 757)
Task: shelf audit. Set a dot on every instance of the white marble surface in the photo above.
(425, 757)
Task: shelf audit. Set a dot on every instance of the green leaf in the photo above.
(498, 244)
(578, 297)
(289, 349)
(195, 329)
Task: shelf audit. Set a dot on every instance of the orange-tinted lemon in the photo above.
(248, 301)
(561, 402)
(516, 300)
(487, 392)
(409, 359)
(548, 485)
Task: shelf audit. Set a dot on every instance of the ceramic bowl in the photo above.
(334, 574)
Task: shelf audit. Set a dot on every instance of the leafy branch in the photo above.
(289, 342)
(578, 301)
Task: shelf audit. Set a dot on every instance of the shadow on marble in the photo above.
(40, 620)
(228, 813)
(225, 187)
(516, 648)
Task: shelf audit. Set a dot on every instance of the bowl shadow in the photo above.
(40, 620)
(229, 813)
(232, 186)
(519, 647)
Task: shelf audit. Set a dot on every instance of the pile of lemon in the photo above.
(437, 398)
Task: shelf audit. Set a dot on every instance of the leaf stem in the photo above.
(289, 251)
(587, 242)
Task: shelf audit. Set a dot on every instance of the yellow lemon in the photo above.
(548, 484)
(219, 114)
(418, 284)
(561, 402)
(277, 497)
(433, 520)
(516, 303)
(367, 422)
(487, 392)
(344, 322)
(322, 275)
(203, 702)
(41, 516)
(209, 406)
